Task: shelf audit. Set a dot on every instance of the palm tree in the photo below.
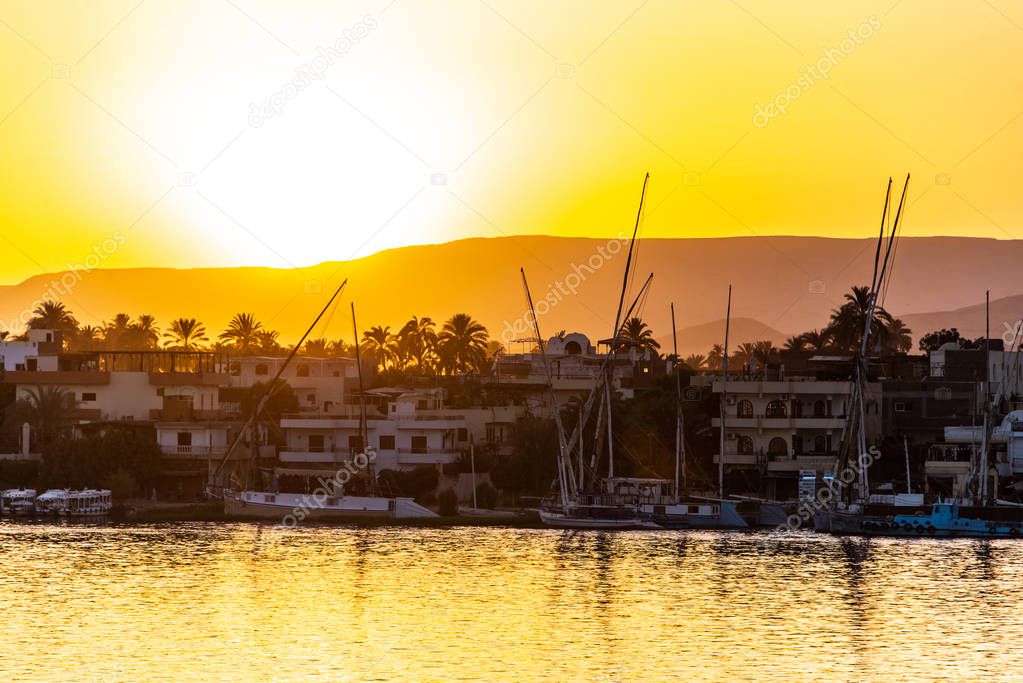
(636, 333)
(242, 332)
(379, 345)
(764, 351)
(47, 411)
(339, 347)
(847, 321)
(186, 334)
(315, 347)
(714, 357)
(796, 343)
(267, 341)
(695, 362)
(462, 344)
(900, 337)
(87, 338)
(818, 341)
(116, 333)
(417, 343)
(52, 315)
(145, 331)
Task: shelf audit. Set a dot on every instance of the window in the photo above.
(778, 446)
(386, 442)
(745, 445)
(744, 409)
(262, 369)
(901, 406)
(418, 444)
(776, 408)
(355, 443)
(31, 364)
(236, 368)
(820, 444)
(495, 433)
(316, 443)
(943, 394)
(310, 398)
(421, 404)
(463, 434)
(184, 438)
(88, 395)
(819, 409)
(302, 370)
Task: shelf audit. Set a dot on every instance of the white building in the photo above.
(320, 384)
(39, 352)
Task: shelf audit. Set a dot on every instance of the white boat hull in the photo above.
(293, 508)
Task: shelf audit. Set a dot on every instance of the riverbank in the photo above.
(148, 512)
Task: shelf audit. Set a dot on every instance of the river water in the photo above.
(239, 602)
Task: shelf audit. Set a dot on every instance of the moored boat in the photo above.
(291, 508)
(18, 502)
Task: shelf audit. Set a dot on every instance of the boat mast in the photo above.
(566, 478)
(724, 396)
(609, 369)
(363, 419)
(268, 391)
(679, 424)
(987, 399)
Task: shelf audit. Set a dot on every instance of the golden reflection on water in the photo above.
(204, 602)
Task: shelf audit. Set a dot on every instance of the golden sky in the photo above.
(227, 132)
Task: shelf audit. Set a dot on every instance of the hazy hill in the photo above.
(970, 320)
(780, 283)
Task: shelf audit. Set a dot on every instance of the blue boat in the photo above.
(949, 520)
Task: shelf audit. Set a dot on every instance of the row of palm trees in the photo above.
(461, 345)
(843, 334)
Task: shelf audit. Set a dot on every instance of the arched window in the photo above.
(819, 409)
(262, 369)
(302, 370)
(820, 444)
(745, 445)
(573, 348)
(745, 408)
(776, 408)
(778, 446)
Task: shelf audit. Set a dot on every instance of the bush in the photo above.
(486, 495)
(447, 503)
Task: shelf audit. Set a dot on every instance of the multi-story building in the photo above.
(778, 425)
(320, 384)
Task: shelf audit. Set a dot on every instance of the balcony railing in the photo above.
(192, 451)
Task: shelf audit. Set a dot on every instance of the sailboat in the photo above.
(329, 501)
(611, 502)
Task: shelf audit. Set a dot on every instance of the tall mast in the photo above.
(268, 391)
(679, 427)
(566, 478)
(363, 421)
(724, 396)
(987, 398)
(609, 368)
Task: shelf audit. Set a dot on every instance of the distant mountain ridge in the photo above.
(781, 285)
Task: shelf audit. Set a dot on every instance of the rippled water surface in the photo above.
(198, 602)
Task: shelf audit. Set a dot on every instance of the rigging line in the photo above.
(891, 267)
(272, 386)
